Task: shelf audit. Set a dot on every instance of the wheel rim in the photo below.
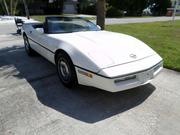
(63, 70)
(27, 47)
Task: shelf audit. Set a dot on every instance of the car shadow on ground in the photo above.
(86, 104)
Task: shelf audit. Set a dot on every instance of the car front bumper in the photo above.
(118, 83)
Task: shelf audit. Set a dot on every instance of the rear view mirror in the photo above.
(40, 30)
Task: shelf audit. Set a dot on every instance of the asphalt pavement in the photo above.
(34, 102)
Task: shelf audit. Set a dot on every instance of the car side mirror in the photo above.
(40, 30)
(99, 27)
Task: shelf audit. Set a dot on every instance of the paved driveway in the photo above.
(34, 102)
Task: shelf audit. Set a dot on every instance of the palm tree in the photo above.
(101, 13)
(26, 9)
(9, 6)
(6, 7)
(15, 7)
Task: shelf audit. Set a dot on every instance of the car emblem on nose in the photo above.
(133, 56)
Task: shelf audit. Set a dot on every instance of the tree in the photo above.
(6, 7)
(133, 7)
(160, 6)
(9, 6)
(87, 7)
(26, 9)
(55, 7)
(15, 7)
(101, 13)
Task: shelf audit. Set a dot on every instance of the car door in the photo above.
(34, 40)
(45, 45)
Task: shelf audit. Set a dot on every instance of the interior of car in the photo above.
(57, 25)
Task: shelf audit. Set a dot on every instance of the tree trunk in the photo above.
(101, 13)
(26, 9)
(6, 7)
(11, 7)
(15, 6)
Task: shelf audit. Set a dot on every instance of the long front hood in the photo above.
(107, 49)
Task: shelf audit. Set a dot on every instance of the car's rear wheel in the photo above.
(66, 70)
(27, 46)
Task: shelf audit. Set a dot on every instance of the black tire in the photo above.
(27, 47)
(66, 70)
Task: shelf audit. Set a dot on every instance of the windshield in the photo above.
(69, 24)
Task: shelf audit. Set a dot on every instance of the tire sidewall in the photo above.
(27, 45)
(29, 51)
(72, 80)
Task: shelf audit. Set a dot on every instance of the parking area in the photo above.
(34, 102)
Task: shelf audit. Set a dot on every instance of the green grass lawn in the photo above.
(163, 37)
(40, 18)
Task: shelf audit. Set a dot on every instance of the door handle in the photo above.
(30, 32)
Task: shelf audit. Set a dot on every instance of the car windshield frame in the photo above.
(60, 25)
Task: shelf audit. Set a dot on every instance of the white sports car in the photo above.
(84, 54)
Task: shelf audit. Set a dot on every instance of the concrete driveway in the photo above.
(34, 102)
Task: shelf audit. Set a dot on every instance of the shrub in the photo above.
(160, 7)
(114, 12)
(133, 7)
(91, 9)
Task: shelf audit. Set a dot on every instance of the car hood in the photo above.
(107, 49)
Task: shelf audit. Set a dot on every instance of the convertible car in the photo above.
(86, 55)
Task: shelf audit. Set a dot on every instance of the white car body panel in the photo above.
(106, 55)
(131, 67)
(99, 45)
(108, 84)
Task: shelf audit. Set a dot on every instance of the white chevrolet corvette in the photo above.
(86, 55)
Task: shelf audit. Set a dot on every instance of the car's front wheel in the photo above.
(66, 70)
